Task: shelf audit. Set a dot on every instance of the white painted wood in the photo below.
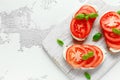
(62, 31)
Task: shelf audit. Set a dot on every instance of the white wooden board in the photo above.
(62, 31)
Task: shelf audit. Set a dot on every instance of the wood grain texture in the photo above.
(62, 31)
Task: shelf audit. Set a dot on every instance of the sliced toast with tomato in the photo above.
(84, 56)
(82, 22)
(110, 24)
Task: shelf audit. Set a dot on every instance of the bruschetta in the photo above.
(83, 56)
(82, 22)
(110, 24)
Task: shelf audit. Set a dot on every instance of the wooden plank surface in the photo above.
(62, 31)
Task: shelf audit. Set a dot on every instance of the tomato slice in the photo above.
(73, 55)
(89, 8)
(80, 28)
(83, 11)
(110, 20)
(110, 36)
(75, 52)
(113, 45)
(86, 11)
(91, 61)
(100, 56)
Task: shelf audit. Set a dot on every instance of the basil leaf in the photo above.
(87, 75)
(85, 57)
(60, 42)
(91, 54)
(80, 16)
(88, 55)
(93, 15)
(118, 12)
(87, 17)
(116, 31)
(97, 36)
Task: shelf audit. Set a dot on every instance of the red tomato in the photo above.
(110, 20)
(86, 11)
(112, 37)
(89, 8)
(100, 56)
(80, 28)
(113, 45)
(75, 52)
(73, 55)
(91, 61)
(83, 11)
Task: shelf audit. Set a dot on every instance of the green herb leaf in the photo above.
(93, 15)
(91, 54)
(60, 42)
(118, 12)
(85, 57)
(87, 75)
(87, 17)
(80, 16)
(88, 55)
(97, 36)
(116, 31)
